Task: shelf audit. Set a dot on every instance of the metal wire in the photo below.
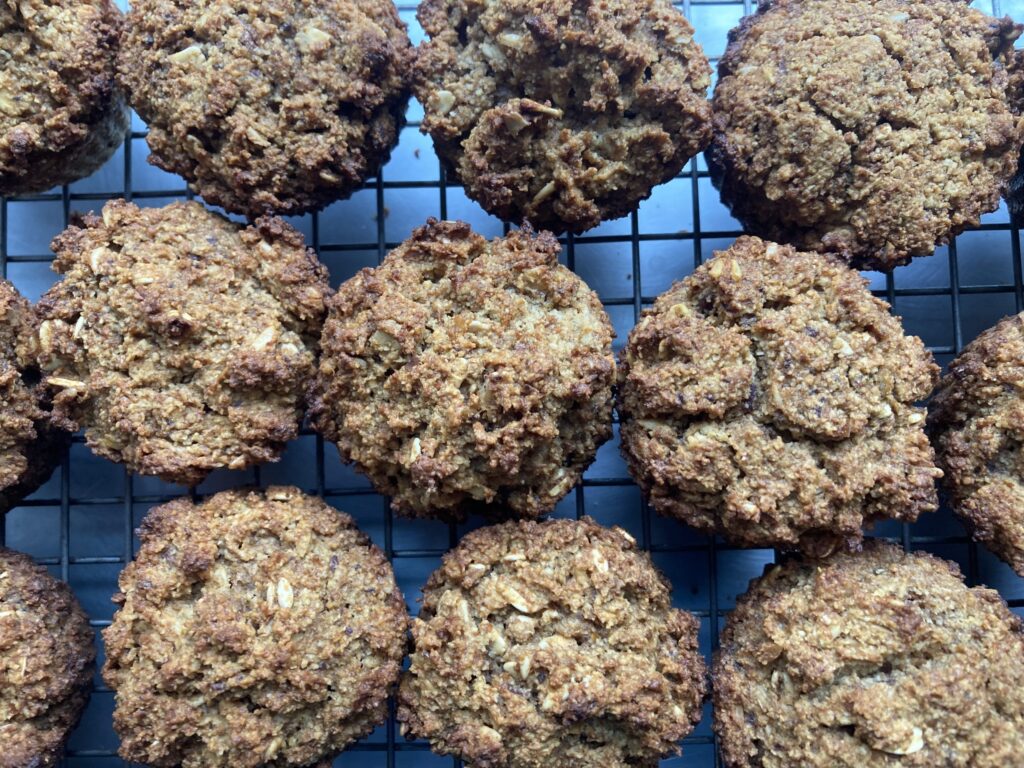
(712, 572)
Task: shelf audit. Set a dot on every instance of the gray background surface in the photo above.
(81, 523)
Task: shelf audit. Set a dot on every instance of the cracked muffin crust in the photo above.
(180, 341)
(29, 447)
(769, 397)
(62, 115)
(551, 643)
(874, 129)
(868, 660)
(254, 630)
(977, 418)
(462, 373)
(46, 663)
(275, 106)
(560, 112)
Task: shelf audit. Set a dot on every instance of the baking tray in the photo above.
(81, 523)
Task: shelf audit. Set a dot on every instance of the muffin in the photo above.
(180, 341)
(873, 129)
(254, 629)
(268, 107)
(466, 375)
(62, 115)
(769, 398)
(977, 417)
(29, 447)
(551, 644)
(563, 113)
(870, 659)
(1015, 192)
(46, 663)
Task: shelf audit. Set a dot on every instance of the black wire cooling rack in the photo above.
(81, 523)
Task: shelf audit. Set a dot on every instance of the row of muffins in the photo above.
(873, 133)
(768, 397)
(263, 629)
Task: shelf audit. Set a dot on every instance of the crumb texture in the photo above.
(769, 397)
(870, 660)
(46, 663)
(274, 106)
(1015, 92)
(257, 629)
(561, 112)
(874, 129)
(463, 372)
(29, 447)
(180, 341)
(552, 644)
(977, 417)
(61, 114)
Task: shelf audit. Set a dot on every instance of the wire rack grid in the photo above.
(81, 523)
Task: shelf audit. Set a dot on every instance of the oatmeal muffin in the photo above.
(564, 113)
(254, 630)
(552, 644)
(769, 397)
(1015, 193)
(870, 660)
(873, 129)
(46, 663)
(180, 341)
(62, 115)
(274, 106)
(462, 373)
(977, 418)
(29, 447)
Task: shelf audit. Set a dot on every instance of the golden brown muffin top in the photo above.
(873, 129)
(561, 112)
(552, 643)
(770, 397)
(57, 91)
(46, 663)
(977, 416)
(867, 660)
(273, 106)
(180, 341)
(463, 372)
(255, 629)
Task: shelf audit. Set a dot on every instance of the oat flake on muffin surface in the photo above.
(770, 398)
(552, 643)
(46, 663)
(272, 106)
(874, 659)
(873, 129)
(179, 341)
(564, 113)
(467, 375)
(62, 115)
(977, 417)
(256, 629)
